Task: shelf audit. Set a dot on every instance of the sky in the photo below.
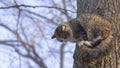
(10, 59)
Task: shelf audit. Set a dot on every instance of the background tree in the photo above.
(109, 10)
(26, 27)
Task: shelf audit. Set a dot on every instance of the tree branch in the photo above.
(22, 5)
(3, 25)
(65, 11)
(62, 56)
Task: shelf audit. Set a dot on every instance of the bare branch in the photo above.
(6, 41)
(20, 53)
(65, 11)
(41, 16)
(22, 5)
(62, 55)
(23, 32)
(3, 25)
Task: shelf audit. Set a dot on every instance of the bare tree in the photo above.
(30, 26)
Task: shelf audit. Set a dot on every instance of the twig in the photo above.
(22, 5)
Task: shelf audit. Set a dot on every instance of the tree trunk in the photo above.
(109, 10)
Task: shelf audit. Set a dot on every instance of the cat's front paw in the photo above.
(81, 43)
(87, 43)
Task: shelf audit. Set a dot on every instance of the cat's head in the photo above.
(62, 33)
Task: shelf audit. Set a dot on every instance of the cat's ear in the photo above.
(54, 36)
(63, 27)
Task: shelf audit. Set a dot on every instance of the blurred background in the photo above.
(26, 27)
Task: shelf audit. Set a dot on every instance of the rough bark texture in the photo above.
(109, 10)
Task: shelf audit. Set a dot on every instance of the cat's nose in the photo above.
(61, 40)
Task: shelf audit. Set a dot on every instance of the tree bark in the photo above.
(109, 10)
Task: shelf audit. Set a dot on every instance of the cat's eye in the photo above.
(65, 37)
